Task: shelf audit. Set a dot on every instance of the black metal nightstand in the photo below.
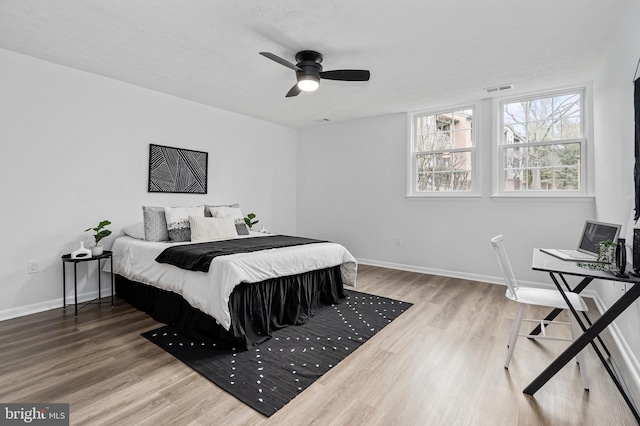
(66, 259)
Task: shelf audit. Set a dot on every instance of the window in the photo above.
(441, 155)
(542, 145)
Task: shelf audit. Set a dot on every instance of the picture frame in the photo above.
(177, 170)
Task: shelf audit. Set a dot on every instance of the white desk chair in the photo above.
(540, 297)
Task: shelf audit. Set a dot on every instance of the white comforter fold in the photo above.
(135, 260)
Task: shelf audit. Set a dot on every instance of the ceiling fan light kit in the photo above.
(308, 83)
(309, 71)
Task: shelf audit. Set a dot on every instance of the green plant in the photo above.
(249, 220)
(606, 256)
(100, 231)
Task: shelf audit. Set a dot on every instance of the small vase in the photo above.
(621, 256)
(81, 252)
(97, 250)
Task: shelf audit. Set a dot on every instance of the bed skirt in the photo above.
(256, 309)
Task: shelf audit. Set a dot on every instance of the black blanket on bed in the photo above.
(198, 257)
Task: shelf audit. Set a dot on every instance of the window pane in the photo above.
(442, 161)
(515, 133)
(542, 168)
(567, 178)
(567, 154)
(425, 125)
(442, 181)
(461, 161)
(463, 119)
(538, 131)
(514, 113)
(551, 118)
(513, 179)
(442, 140)
(425, 182)
(425, 163)
(515, 158)
(462, 139)
(444, 121)
(540, 156)
(567, 128)
(461, 181)
(566, 106)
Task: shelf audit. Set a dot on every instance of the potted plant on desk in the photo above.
(101, 232)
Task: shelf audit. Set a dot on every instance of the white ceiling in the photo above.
(416, 50)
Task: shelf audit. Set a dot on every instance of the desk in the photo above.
(558, 269)
(67, 258)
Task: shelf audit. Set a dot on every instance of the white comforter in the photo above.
(135, 260)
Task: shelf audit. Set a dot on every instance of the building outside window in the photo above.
(442, 152)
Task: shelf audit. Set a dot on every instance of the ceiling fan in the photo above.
(309, 71)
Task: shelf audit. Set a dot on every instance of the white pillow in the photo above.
(226, 211)
(178, 221)
(211, 228)
(135, 231)
(233, 212)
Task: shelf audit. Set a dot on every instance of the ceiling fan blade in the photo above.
(281, 61)
(346, 75)
(294, 91)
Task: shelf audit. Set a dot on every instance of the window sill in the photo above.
(542, 196)
(443, 196)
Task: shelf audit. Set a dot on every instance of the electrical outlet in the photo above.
(33, 267)
(398, 241)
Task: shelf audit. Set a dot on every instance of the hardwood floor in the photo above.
(440, 363)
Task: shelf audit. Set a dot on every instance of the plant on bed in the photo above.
(101, 232)
(249, 220)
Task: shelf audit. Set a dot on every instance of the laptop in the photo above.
(592, 233)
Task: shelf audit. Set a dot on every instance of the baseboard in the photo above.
(50, 304)
(452, 274)
(629, 358)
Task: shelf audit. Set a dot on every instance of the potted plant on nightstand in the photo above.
(249, 220)
(101, 232)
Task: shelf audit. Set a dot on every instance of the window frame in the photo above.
(412, 153)
(586, 148)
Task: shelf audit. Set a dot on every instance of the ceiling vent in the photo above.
(500, 88)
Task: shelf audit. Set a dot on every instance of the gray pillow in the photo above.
(155, 224)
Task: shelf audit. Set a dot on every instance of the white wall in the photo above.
(352, 186)
(75, 151)
(614, 136)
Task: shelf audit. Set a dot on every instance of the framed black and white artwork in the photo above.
(177, 170)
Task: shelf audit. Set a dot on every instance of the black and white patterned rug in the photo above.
(267, 377)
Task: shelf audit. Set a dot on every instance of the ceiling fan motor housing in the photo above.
(309, 64)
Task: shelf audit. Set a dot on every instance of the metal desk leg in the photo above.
(112, 289)
(64, 290)
(581, 342)
(75, 284)
(99, 283)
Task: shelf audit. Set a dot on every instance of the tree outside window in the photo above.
(542, 143)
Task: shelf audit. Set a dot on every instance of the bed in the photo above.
(242, 298)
